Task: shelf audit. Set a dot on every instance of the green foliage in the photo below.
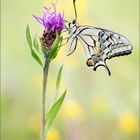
(35, 56)
(56, 104)
(59, 78)
(55, 47)
(51, 114)
(28, 36)
(29, 40)
(54, 110)
(36, 45)
(58, 82)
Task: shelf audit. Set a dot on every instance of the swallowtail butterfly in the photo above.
(99, 44)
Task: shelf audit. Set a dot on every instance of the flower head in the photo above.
(53, 23)
(51, 20)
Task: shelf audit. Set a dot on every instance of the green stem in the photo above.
(45, 77)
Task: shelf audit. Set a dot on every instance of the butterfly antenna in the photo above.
(75, 9)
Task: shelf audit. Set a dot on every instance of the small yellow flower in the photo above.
(128, 123)
(73, 110)
(53, 134)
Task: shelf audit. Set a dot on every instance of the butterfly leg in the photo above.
(65, 42)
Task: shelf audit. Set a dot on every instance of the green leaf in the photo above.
(59, 78)
(54, 110)
(29, 40)
(35, 56)
(36, 45)
(54, 48)
(28, 36)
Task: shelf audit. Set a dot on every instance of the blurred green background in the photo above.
(97, 107)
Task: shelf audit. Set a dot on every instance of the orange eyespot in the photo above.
(90, 62)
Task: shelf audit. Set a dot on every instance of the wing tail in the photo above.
(103, 65)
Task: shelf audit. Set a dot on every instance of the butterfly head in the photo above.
(74, 21)
(72, 24)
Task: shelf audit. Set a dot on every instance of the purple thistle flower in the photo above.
(51, 20)
(53, 23)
